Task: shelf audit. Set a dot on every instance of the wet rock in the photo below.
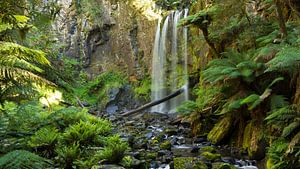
(222, 166)
(182, 151)
(229, 160)
(149, 135)
(171, 131)
(113, 93)
(189, 163)
(211, 156)
(166, 145)
(112, 109)
(151, 155)
(162, 152)
(199, 140)
(195, 149)
(111, 166)
(208, 149)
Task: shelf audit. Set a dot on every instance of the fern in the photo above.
(288, 60)
(235, 65)
(20, 159)
(290, 128)
(282, 114)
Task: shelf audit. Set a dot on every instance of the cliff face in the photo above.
(120, 37)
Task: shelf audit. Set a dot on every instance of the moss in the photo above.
(151, 155)
(189, 163)
(166, 145)
(269, 164)
(223, 166)
(220, 130)
(211, 156)
(253, 136)
(208, 149)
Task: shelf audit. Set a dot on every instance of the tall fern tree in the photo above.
(19, 66)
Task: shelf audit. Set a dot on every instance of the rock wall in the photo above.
(120, 38)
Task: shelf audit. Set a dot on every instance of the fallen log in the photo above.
(156, 102)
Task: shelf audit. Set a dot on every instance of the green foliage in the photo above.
(86, 133)
(44, 141)
(234, 65)
(287, 59)
(187, 107)
(20, 159)
(67, 154)
(69, 136)
(173, 4)
(114, 150)
(96, 91)
(143, 89)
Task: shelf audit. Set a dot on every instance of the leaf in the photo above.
(250, 99)
(278, 101)
(290, 128)
(275, 81)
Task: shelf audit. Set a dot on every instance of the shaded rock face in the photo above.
(120, 38)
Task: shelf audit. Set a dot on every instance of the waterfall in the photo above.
(174, 59)
(158, 67)
(185, 54)
(170, 62)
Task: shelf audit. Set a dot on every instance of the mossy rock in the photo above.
(210, 156)
(220, 130)
(222, 166)
(171, 131)
(166, 145)
(253, 140)
(189, 163)
(208, 149)
(151, 155)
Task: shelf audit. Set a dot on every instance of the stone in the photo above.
(166, 145)
(222, 166)
(195, 149)
(182, 151)
(211, 156)
(110, 166)
(208, 149)
(199, 140)
(229, 160)
(112, 109)
(171, 131)
(189, 163)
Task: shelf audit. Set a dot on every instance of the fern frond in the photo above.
(20, 159)
(288, 59)
(295, 141)
(21, 75)
(21, 52)
(290, 128)
(282, 114)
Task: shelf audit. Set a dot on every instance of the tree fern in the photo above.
(290, 128)
(288, 59)
(19, 69)
(235, 65)
(20, 159)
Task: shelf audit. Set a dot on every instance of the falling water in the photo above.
(158, 71)
(185, 54)
(169, 56)
(174, 59)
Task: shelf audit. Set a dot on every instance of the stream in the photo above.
(160, 141)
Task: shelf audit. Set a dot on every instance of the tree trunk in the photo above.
(280, 17)
(156, 102)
